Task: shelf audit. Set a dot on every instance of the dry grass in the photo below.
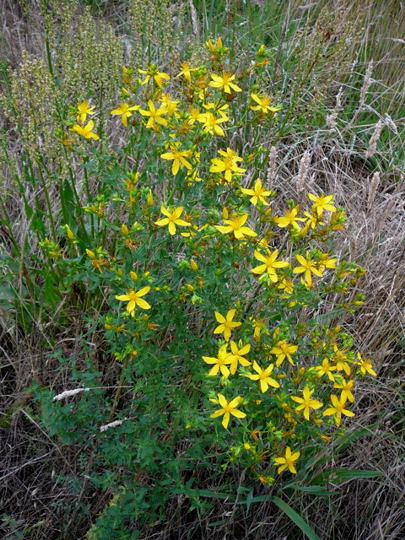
(39, 507)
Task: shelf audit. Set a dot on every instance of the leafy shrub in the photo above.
(220, 300)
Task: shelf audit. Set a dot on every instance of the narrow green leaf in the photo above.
(68, 205)
(203, 493)
(344, 475)
(296, 518)
(338, 476)
(318, 490)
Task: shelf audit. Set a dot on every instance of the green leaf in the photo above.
(51, 293)
(252, 500)
(352, 436)
(296, 518)
(68, 204)
(317, 490)
(345, 475)
(203, 493)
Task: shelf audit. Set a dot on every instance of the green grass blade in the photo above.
(296, 518)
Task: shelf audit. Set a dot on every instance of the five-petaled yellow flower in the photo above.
(224, 82)
(238, 356)
(155, 116)
(258, 193)
(83, 110)
(263, 104)
(220, 363)
(337, 409)
(326, 369)
(172, 219)
(125, 111)
(346, 388)
(178, 157)
(263, 377)
(308, 267)
(153, 73)
(211, 123)
(228, 164)
(288, 461)
(366, 366)
(226, 324)
(134, 298)
(322, 204)
(235, 225)
(86, 131)
(228, 408)
(289, 219)
(284, 350)
(306, 403)
(270, 264)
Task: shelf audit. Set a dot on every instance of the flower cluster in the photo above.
(204, 240)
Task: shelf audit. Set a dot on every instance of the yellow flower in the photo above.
(214, 47)
(228, 165)
(312, 221)
(193, 115)
(86, 131)
(306, 403)
(258, 193)
(211, 123)
(308, 267)
(83, 110)
(235, 226)
(284, 350)
(168, 104)
(322, 204)
(238, 356)
(347, 389)
(263, 376)
(224, 82)
(186, 71)
(263, 104)
(258, 326)
(172, 219)
(326, 262)
(149, 199)
(270, 264)
(178, 157)
(70, 234)
(226, 324)
(340, 358)
(125, 111)
(126, 75)
(366, 366)
(155, 116)
(288, 461)
(228, 408)
(134, 299)
(153, 73)
(286, 285)
(220, 362)
(289, 219)
(337, 409)
(326, 369)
